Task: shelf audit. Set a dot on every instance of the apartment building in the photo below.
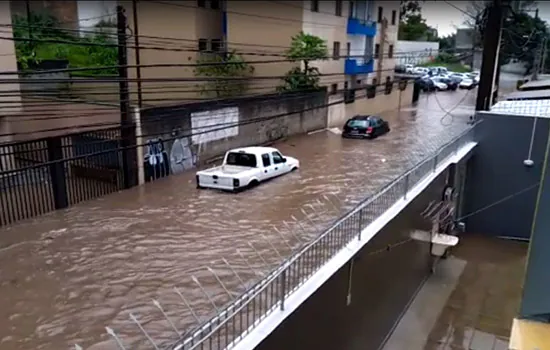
(387, 22)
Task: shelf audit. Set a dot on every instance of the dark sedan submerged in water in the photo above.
(365, 126)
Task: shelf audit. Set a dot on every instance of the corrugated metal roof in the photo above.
(527, 108)
(528, 95)
(536, 84)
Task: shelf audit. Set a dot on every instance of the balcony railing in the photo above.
(361, 27)
(269, 295)
(354, 66)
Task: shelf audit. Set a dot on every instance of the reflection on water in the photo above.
(67, 275)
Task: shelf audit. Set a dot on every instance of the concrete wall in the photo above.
(381, 103)
(237, 123)
(331, 28)
(8, 63)
(389, 38)
(497, 172)
(184, 24)
(383, 281)
(415, 52)
(264, 28)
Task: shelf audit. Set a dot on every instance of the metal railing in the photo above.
(245, 313)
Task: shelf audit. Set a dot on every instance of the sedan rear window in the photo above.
(358, 123)
(241, 159)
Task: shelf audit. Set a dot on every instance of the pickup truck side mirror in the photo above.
(284, 160)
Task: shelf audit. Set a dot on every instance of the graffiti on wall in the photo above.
(181, 156)
(416, 57)
(214, 125)
(156, 163)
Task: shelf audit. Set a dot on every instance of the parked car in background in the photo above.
(365, 126)
(426, 84)
(457, 77)
(439, 85)
(420, 70)
(467, 83)
(451, 84)
(246, 167)
(409, 68)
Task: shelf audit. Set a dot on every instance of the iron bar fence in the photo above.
(39, 176)
(241, 316)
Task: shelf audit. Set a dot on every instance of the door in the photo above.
(268, 168)
(278, 164)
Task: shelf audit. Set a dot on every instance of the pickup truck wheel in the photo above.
(253, 183)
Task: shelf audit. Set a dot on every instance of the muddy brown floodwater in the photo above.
(66, 275)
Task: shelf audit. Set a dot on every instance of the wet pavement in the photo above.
(470, 302)
(66, 275)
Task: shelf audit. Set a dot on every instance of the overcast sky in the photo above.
(445, 18)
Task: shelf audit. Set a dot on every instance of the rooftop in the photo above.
(527, 108)
(536, 84)
(529, 95)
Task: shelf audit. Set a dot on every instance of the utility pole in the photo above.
(380, 65)
(137, 53)
(489, 64)
(536, 63)
(127, 133)
(544, 49)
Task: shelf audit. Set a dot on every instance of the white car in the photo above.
(467, 83)
(409, 68)
(420, 70)
(246, 167)
(439, 86)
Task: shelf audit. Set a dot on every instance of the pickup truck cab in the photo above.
(246, 167)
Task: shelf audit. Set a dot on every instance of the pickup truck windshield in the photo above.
(241, 159)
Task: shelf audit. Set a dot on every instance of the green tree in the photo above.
(44, 26)
(414, 28)
(409, 8)
(222, 68)
(522, 33)
(447, 43)
(304, 48)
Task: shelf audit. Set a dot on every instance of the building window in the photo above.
(334, 89)
(390, 51)
(359, 81)
(380, 14)
(315, 6)
(216, 45)
(338, 10)
(203, 45)
(374, 81)
(393, 17)
(377, 51)
(348, 49)
(214, 4)
(346, 85)
(336, 50)
(201, 3)
(351, 4)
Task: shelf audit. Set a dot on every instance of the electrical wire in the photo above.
(502, 200)
(158, 118)
(210, 129)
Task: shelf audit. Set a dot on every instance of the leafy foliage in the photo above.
(44, 26)
(304, 48)
(447, 43)
(521, 33)
(409, 8)
(230, 65)
(414, 28)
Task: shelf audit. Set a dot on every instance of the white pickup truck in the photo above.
(246, 167)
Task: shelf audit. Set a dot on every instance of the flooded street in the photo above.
(66, 275)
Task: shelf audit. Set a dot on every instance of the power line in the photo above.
(158, 117)
(210, 129)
